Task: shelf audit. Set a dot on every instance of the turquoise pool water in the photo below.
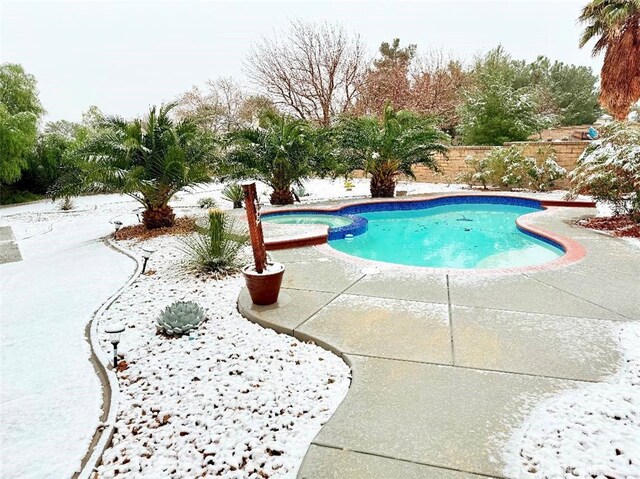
(334, 221)
(450, 236)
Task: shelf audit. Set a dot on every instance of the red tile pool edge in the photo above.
(574, 251)
(299, 242)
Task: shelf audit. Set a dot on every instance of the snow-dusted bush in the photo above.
(609, 169)
(476, 172)
(207, 202)
(543, 170)
(509, 167)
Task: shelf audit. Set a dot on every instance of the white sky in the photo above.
(125, 56)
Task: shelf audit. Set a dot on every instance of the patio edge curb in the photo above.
(110, 386)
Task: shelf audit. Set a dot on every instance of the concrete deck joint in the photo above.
(385, 456)
(450, 317)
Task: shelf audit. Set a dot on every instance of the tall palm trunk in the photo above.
(282, 197)
(383, 181)
(158, 217)
(620, 76)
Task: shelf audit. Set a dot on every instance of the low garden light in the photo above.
(146, 254)
(117, 225)
(114, 331)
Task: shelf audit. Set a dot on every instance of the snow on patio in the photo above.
(590, 432)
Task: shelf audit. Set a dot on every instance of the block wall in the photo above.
(567, 153)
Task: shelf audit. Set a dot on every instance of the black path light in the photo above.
(117, 225)
(146, 254)
(138, 212)
(114, 331)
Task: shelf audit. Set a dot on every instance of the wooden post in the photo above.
(255, 226)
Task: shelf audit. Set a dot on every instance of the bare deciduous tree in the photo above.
(218, 108)
(313, 70)
(438, 83)
(431, 84)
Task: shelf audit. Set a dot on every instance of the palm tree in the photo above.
(147, 159)
(616, 25)
(387, 147)
(280, 152)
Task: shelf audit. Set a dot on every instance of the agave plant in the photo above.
(233, 193)
(180, 318)
(217, 250)
(147, 159)
(388, 147)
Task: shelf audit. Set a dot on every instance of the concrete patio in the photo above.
(445, 364)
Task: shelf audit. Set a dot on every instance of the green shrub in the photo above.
(9, 196)
(66, 204)
(543, 170)
(207, 203)
(509, 167)
(609, 169)
(218, 249)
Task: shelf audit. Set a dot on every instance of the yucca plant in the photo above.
(147, 159)
(218, 249)
(387, 147)
(233, 193)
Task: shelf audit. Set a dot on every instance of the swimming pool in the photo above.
(465, 232)
(334, 221)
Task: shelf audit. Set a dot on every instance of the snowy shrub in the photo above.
(207, 202)
(543, 170)
(609, 169)
(498, 169)
(477, 172)
(66, 204)
(300, 191)
(509, 167)
(218, 249)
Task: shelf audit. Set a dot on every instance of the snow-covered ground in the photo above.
(593, 431)
(235, 400)
(49, 393)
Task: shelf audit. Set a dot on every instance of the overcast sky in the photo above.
(125, 56)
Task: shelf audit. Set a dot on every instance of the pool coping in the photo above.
(573, 251)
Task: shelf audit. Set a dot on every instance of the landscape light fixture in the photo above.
(146, 254)
(117, 225)
(114, 331)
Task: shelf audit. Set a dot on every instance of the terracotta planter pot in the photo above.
(264, 287)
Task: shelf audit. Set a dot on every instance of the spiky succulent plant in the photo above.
(180, 318)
